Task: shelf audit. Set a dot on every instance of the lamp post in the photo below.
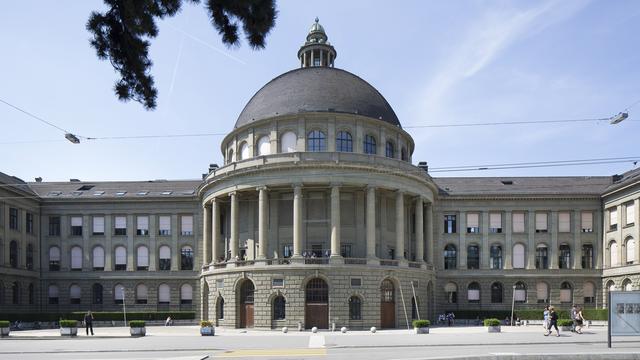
(513, 303)
(124, 308)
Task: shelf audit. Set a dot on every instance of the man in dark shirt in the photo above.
(88, 322)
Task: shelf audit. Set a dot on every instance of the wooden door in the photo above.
(317, 315)
(246, 315)
(387, 305)
(246, 304)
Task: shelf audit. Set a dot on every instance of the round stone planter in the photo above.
(138, 331)
(5, 331)
(421, 330)
(207, 331)
(493, 329)
(68, 331)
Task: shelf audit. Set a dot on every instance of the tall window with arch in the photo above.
(369, 144)
(520, 293)
(316, 141)
(279, 308)
(389, 150)
(564, 258)
(613, 254)
(542, 292)
(403, 154)
(164, 258)
(496, 293)
(344, 141)
(54, 258)
(76, 258)
(244, 151)
(518, 256)
(631, 250)
(566, 293)
(473, 292)
(473, 257)
(264, 146)
(98, 258)
(495, 257)
(288, 142)
(186, 258)
(355, 308)
(587, 257)
(450, 257)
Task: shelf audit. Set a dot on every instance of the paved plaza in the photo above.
(184, 342)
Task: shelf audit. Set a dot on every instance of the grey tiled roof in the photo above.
(14, 183)
(629, 177)
(116, 189)
(317, 89)
(561, 185)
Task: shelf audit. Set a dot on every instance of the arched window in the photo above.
(164, 294)
(98, 258)
(75, 294)
(389, 150)
(32, 294)
(54, 258)
(54, 293)
(355, 308)
(587, 256)
(403, 154)
(316, 141)
(15, 293)
(344, 142)
(495, 257)
(473, 292)
(473, 257)
(220, 308)
(118, 294)
(165, 258)
(369, 144)
(631, 251)
(589, 292)
(186, 258)
(566, 292)
(264, 146)
(30, 257)
(230, 156)
(520, 292)
(542, 292)
(76, 258)
(142, 258)
(613, 254)
(564, 258)
(279, 308)
(142, 294)
(518, 256)
(450, 257)
(451, 289)
(13, 254)
(496, 293)
(288, 142)
(627, 285)
(542, 257)
(387, 291)
(611, 286)
(96, 293)
(121, 258)
(186, 294)
(244, 151)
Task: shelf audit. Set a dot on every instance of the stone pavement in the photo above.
(184, 342)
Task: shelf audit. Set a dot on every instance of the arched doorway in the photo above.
(316, 312)
(387, 305)
(246, 304)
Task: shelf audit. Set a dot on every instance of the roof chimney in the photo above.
(423, 165)
(74, 180)
(39, 179)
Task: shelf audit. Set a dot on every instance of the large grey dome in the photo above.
(317, 89)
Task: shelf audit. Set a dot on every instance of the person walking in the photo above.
(574, 312)
(579, 320)
(88, 322)
(545, 317)
(553, 321)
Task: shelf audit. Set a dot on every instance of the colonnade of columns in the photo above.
(212, 234)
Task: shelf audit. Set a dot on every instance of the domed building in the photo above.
(317, 216)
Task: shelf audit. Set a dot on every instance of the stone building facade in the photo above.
(317, 217)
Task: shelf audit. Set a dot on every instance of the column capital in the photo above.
(335, 184)
(371, 187)
(263, 187)
(232, 193)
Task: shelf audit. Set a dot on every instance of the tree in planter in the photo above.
(206, 328)
(565, 324)
(493, 324)
(5, 328)
(68, 327)
(421, 326)
(137, 328)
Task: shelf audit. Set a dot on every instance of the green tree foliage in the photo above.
(121, 34)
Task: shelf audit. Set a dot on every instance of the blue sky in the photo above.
(445, 62)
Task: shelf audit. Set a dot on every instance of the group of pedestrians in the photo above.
(551, 320)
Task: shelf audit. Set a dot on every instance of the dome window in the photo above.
(403, 154)
(264, 146)
(288, 142)
(344, 142)
(390, 150)
(244, 151)
(316, 141)
(369, 145)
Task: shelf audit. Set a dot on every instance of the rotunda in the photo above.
(317, 217)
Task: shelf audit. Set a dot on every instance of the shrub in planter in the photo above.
(565, 324)
(5, 328)
(206, 328)
(68, 327)
(137, 328)
(421, 326)
(493, 325)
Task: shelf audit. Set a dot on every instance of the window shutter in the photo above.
(587, 221)
(588, 290)
(565, 295)
(186, 292)
(614, 254)
(187, 224)
(164, 293)
(541, 221)
(118, 294)
(76, 257)
(142, 292)
(143, 223)
(54, 254)
(53, 291)
(613, 216)
(121, 222)
(288, 142)
(98, 224)
(165, 252)
(165, 223)
(518, 256)
(76, 221)
(75, 292)
(473, 220)
(518, 222)
(143, 256)
(520, 295)
(121, 255)
(264, 146)
(542, 291)
(564, 224)
(474, 295)
(98, 257)
(495, 220)
(631, 214)
(631, 250)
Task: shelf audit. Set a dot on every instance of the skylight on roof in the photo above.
(142, 193)
(98, 193)
(54, 193)
(85, 187)
(167, 192)
(188, 192)
(76, 193)
(507, 182)
(120, 193)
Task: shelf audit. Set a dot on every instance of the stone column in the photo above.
(371, 222)
(335, 221)
(233, 243)
(577, 243)
(206, 234)
(419, 224)
(297, 221)
(400, 225)
(215, 230)
(430, 244)
(263, 216)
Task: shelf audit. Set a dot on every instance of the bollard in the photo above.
(373, 329)
(343, 329)
(299, 326)
(314, 329)
(333, 327)
(285, 329)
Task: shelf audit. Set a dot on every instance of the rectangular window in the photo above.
(142, 227)
(277, 283)
(564, 222)
(29, 226)
(495, 223)
(345, 250)
(54, 225)
(186, 225)
(631, 214)
(164, 227)
(473, 223)
(587, 221)
(98, 225)
(449, 224)
(76, 226)
(120, 227)
(518, 222)
(356, 282)
(541, 223)
(613, 219)
(13, 218)
(287, 250)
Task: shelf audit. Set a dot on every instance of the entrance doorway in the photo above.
(387, 305)
(246, 304)
(316, 312)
